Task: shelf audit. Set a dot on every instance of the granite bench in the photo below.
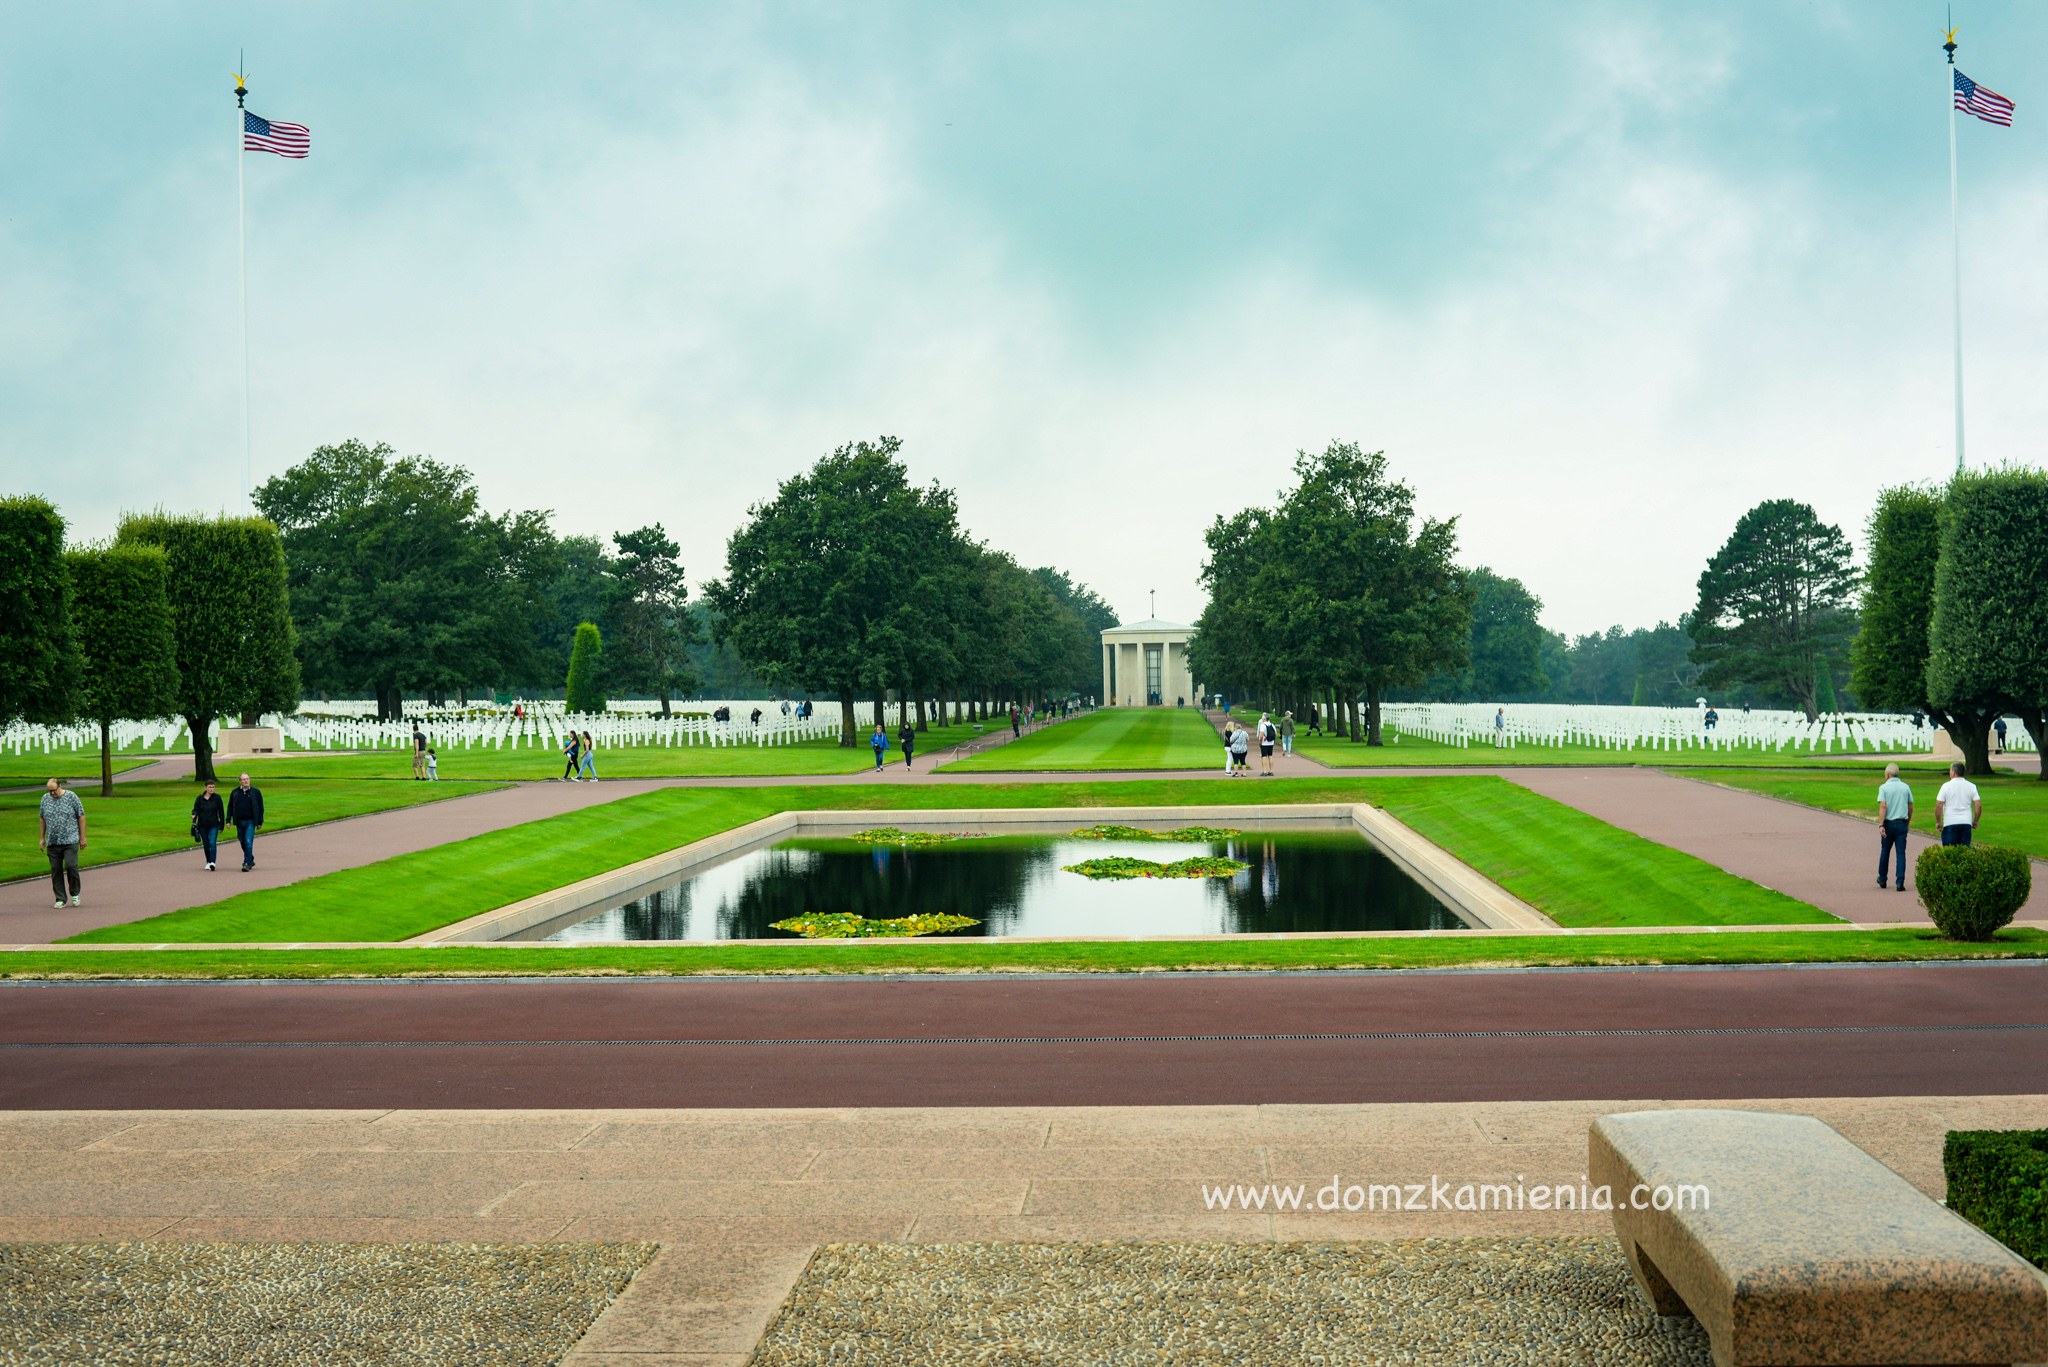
(1806, 1250)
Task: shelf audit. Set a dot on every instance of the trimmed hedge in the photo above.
(1970, 891)
(1998, 1181)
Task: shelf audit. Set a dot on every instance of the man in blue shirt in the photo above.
(1895, 816)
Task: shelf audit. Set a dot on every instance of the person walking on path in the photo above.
(1229, 759)
(1287, 733)
(908, 738)
(1998, 729)
(1241, 750)
(209, 819)
(245, 811)
(880, 742)
(1268, 734)
(419, 752)
(1958, 808)
(60, 829)
(1895, 818)
(571, 748)
(1016, 723)
(590, 756)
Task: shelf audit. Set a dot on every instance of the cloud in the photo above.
(649, 292)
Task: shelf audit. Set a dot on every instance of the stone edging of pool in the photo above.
(1481, 903)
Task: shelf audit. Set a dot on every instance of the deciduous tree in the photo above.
(1888, 659)
(231, 614)
(400, 579)
(38, 654)
(1988, 638)
(121, 611)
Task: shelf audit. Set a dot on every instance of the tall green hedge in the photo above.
(121, 612)
(38, 655)
(586, 688)
(1998, 1181)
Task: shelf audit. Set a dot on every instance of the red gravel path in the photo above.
(1819, 857)
(1961, 1029)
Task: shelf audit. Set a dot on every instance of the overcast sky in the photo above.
(1597, 277)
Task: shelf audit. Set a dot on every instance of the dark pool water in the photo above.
(1015, 886)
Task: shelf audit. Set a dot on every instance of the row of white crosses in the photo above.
(348, 726)
(1669, 728)
(353, 725)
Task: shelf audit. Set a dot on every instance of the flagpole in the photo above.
(1955, 230)
(242, 262)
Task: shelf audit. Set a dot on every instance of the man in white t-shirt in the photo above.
(1957, 807)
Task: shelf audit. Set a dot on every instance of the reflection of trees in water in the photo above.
(1316, 882)
(661, 915)
(982, 880)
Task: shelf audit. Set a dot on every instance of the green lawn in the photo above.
(964, 956)
(151, 816)
(1579, 871)
(626, 761)
(77, 767)
(1114, 738)
(2015, 806)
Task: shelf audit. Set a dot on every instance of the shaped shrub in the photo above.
(1972, 890)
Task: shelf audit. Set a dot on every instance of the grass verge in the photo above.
(960, 956)
(152, 816)
(1576, 869)
(1114, 738)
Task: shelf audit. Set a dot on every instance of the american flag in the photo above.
(295, 140)
(1985, 103)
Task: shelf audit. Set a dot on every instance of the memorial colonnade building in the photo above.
(1145, 664)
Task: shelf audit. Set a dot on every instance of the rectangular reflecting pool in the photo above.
(1324, 878)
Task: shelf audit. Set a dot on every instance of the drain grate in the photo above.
(1363, 1036)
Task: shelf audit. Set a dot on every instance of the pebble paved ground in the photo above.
(738, 1199)
(1416, 1303)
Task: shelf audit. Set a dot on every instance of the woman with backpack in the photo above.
(1268, 733)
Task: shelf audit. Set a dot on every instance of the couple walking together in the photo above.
(1958, 808)
(243, 810)
(907, 737)
(580, 750)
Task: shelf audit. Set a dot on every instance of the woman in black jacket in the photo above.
(209, 817)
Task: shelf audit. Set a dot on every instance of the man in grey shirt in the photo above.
(61, 819)
(1895, 817)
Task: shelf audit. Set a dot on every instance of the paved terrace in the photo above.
(739, 1199)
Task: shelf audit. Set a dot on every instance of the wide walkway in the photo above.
(1084, 1039)
(1819, 857)
(738, 1199)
